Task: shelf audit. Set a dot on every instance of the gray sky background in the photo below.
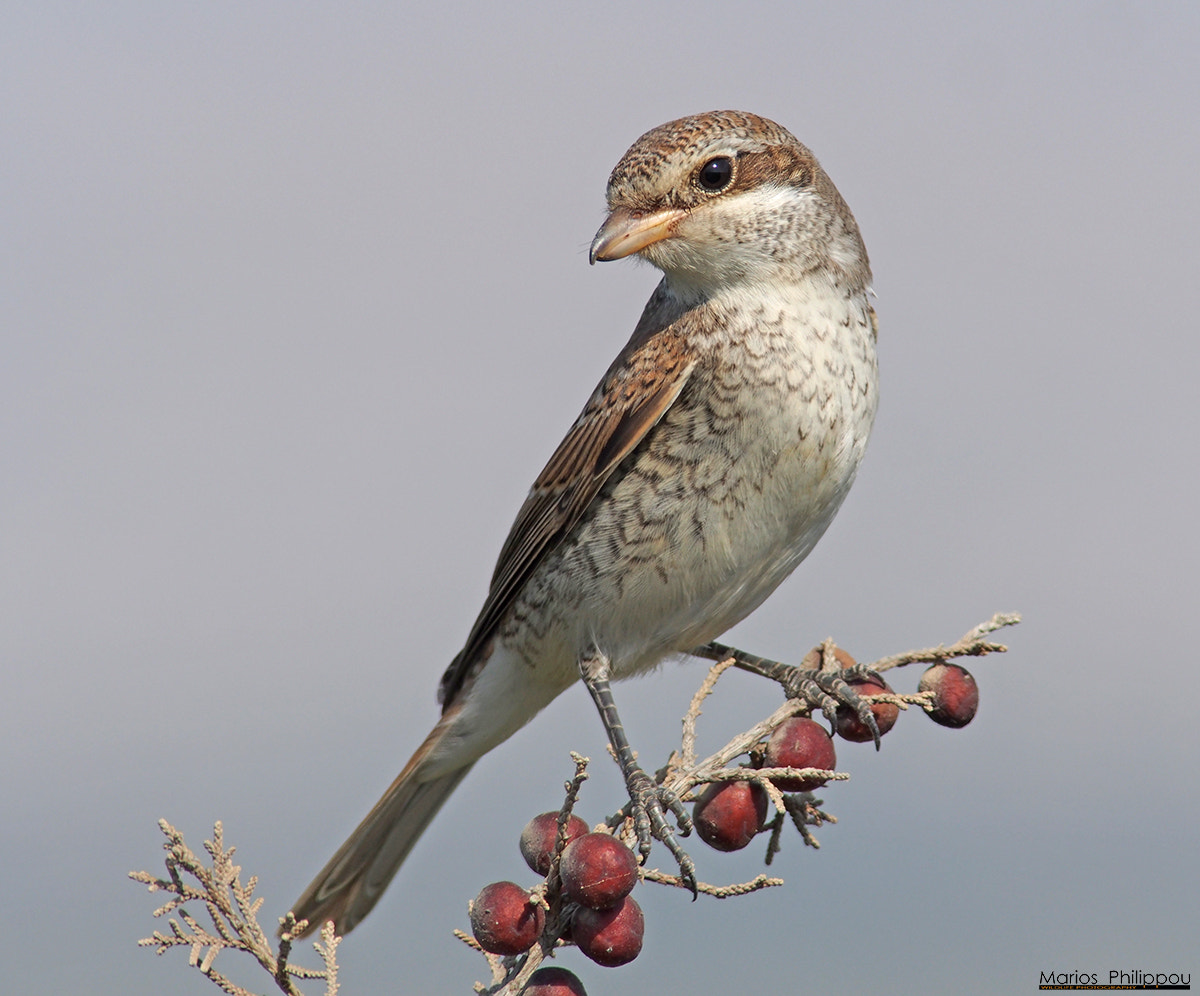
(295, 304)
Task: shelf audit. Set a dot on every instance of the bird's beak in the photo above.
(626, 232)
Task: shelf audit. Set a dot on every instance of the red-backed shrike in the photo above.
(704, 467)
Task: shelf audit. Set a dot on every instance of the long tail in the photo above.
(350, 885)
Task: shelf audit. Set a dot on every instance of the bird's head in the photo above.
(727, 197)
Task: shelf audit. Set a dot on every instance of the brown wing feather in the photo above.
(636, 392)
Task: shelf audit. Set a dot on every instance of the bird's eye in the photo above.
(715, 174)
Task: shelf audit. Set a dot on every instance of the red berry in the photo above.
(504, 920)
(955, 694)
(598, 871)
(850, 727)
(729, 814)
(812, 660)
(553, 981)
(610, 937)
(540, 836)
(800, 743)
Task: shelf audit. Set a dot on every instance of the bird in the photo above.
(704, 467)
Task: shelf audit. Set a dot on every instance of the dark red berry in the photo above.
(553, 981)
(598, 871)
(729, 814)
(955, 694)
(800, 743)
(540, 835)
(505, 920)
(610, 937)
(850, 727)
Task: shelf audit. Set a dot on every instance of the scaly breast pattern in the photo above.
(722, 499)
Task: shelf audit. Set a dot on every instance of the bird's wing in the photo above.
(635, 393)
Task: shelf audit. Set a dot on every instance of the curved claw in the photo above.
(860, 706)
(687, 867)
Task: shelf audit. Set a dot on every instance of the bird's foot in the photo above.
(827, 690)
(648, 806)
(821, 681)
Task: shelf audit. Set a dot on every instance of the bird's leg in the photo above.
(825, 687)
(648, 800)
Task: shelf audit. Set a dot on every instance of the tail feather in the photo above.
(350, 885)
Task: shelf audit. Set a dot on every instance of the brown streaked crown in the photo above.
(646, 177)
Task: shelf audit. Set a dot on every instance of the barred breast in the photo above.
(723, 498)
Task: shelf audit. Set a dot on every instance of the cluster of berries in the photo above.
(729, 814)
(598, 872)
